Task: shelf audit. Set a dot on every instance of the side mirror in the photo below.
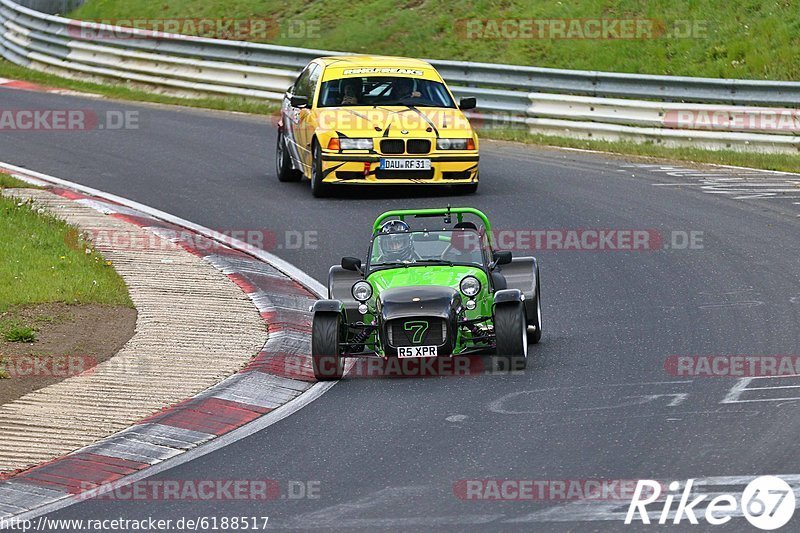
(351, 263)
(501, 258)
(299, 101)
(467, 103)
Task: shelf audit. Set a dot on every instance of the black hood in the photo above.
(401, 302)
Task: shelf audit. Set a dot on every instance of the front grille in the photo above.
(349, 175)
(434, 335)
(407, 174)
(462, 175)
(419, 146)
(393, 146)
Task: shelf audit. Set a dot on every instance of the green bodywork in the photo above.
(446, 276)
(414, 275)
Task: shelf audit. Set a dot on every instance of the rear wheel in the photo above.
(318, 188)
(511, 333)
(325, 355)
(283, 162)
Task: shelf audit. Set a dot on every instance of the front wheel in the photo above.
(318, 188)
(326, 356)
(511, 335)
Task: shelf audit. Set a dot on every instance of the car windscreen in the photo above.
(384, 91)
(427, 247)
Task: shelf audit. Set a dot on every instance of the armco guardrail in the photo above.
(712, 113)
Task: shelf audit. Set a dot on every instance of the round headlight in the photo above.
(470, 286)
(362, 291)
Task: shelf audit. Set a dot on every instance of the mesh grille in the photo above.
(349, 175)
(462, 175)
(393, 146)
(434, 335)
(419, 146)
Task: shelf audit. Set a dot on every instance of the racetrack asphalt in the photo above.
(595, 402)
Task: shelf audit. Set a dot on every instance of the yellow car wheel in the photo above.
(318, 188)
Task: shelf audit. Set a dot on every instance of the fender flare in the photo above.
(506, 296)
(327, 306)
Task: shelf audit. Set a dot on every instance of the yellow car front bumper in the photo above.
(365, 169)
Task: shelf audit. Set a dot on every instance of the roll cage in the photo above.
(449, 214)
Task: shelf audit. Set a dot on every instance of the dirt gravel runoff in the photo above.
(69, 339)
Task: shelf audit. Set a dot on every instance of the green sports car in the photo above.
(435, 290)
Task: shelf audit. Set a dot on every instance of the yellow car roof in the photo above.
(337, 67)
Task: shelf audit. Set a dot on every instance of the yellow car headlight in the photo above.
(356, 144)
(455, 144)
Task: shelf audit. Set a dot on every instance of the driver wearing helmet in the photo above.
(351, 91)
(395, 242)
(403, 89)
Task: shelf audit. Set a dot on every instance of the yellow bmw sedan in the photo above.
(372, 120)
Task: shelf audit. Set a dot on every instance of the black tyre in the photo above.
(318, 188)
(325, 353)
(535, 321)
(283, 162)
(511, 332)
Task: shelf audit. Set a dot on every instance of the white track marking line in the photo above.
(736, 391)
(613, 385)
(767, 400)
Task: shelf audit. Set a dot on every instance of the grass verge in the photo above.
(11, 182)
(42, 261)
(756, 39)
